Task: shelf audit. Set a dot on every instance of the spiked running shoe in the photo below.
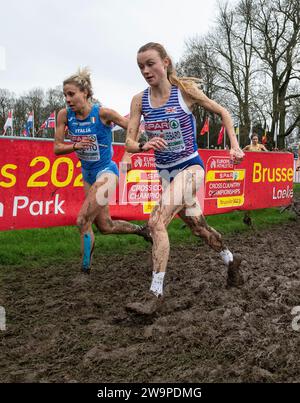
(235, 278)
(149, 305)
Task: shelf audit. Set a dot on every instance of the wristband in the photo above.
(74, 144)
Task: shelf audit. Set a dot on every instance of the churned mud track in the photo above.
(63, 326)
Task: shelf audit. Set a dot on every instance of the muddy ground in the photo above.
(66, 327)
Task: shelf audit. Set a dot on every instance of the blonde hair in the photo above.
(188, 85)
(82, 80)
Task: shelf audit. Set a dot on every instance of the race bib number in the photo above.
(170, 131)
(90, 154)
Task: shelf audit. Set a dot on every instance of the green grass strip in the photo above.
(57, 245)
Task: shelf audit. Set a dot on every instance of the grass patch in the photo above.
(50, 246)
(297, 188)
(231, 223)
(55, 245)
(59, 245)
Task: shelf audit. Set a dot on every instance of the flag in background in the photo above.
(49, 123)
(29, 124)
(43, 126)
(264, 138)
(24, 132)
(221, 135)
(205, 128)
(9, 122)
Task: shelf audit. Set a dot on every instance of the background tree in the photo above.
(197, 62)
(276, 25)
(249, 62)
(231, 44)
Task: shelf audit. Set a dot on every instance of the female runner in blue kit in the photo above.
(91, 138)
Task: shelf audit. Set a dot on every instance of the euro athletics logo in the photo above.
(174, 124)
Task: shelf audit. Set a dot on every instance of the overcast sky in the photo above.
(42, 41)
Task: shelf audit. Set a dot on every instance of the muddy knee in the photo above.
(156, 226)
(105, 227)
(82, 223)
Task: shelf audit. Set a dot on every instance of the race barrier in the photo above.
(39, 189)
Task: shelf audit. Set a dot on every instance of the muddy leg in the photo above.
(106, 225)
(172, 201)
(95, 209)
(213, 238)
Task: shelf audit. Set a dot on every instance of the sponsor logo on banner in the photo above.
(142, 183)
(225, 183)
(277, 176)
(39, 189)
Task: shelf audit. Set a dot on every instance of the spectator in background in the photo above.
(255, 145)
(298, 160)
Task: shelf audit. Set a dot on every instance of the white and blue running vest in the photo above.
(100, 153)
(176, 124)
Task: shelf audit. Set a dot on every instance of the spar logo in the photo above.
(174, 124)
(161, 125)
(154, 126)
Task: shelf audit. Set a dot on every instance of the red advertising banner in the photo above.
(262, 180)
(39, 189)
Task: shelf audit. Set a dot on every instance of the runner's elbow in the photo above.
(57, 149)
